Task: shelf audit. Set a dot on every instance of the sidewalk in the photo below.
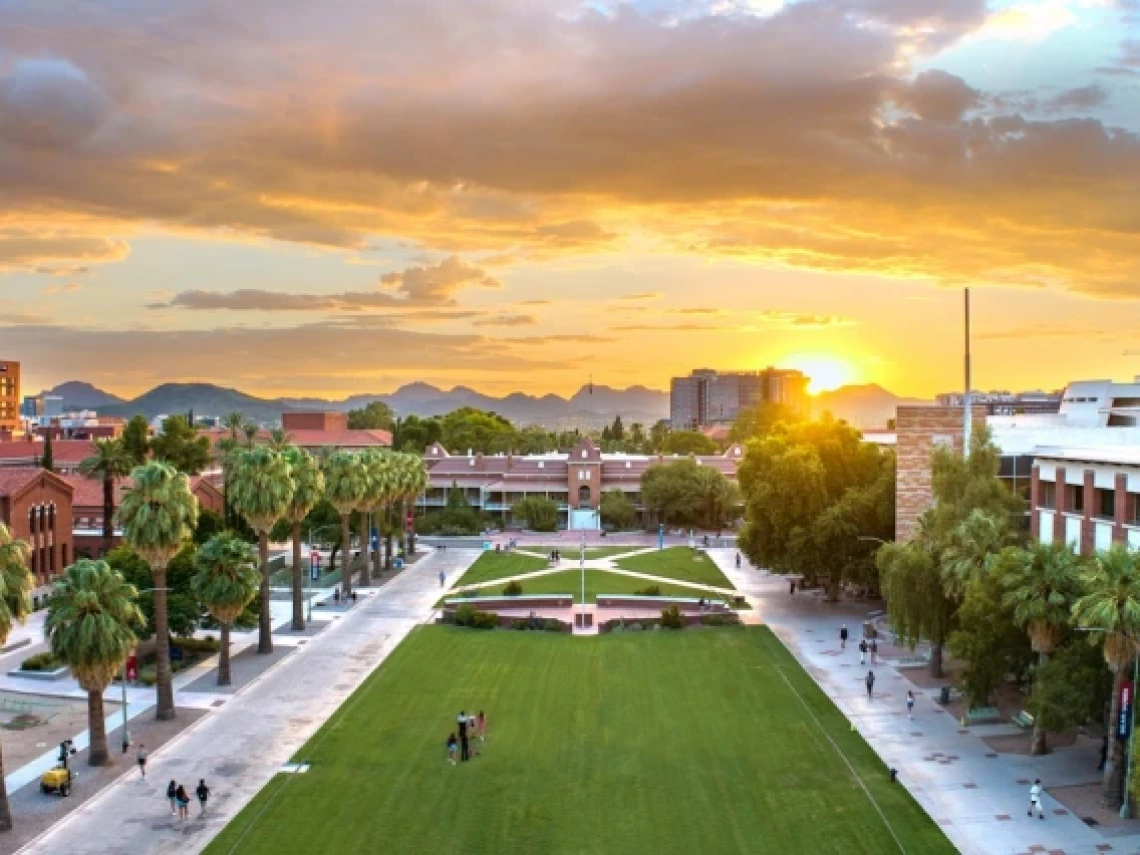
(241, 745)
(979, 797)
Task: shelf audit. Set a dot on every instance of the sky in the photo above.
(527, 196)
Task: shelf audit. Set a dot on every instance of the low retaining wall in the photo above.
(683, 604)
(490, 604)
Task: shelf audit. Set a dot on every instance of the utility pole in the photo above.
(968, 399)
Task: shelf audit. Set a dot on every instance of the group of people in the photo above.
(180, 801)
(348, 598)
(555, 556)
(470, 729)
(873, 649)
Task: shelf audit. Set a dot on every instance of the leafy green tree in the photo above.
(183, 608)
(759, 421)
(688, 442)
(1071, 688)
(1042, 582)
(262, 492)
(157, 516)
(673, 491)
(48, 460)
(346, 485)
(415, 434)
(720, 498)
(917, 603)
(457, 517)
(136, 439)
(637, 442)
(181, 446)
(308, 488)
(108, 464)
(209, 524)
(469, 428)
(538, 513)
(1111, 608)
(375, 416)
(658, 434)
(617, 511)
(617, 430)
(90, 625)
(226, 581)
(15, 605)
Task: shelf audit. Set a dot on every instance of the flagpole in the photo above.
(968, 399)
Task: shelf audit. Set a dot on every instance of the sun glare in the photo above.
(825, 372)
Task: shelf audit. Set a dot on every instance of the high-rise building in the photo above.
(708, 397)
(9, 397)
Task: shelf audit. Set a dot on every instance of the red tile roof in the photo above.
(319, 438)
(89, 491)
(16, 479)
(63, 450)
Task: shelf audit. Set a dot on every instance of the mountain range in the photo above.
(590, 407)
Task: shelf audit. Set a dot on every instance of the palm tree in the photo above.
(226, 581)
(157, 515)
(250, 430)
(261, 492)
(279, 439)
(1042, 582)
(308, 487)
(346, 484)
(227, 447)
(91, 620)
(15, 604)
(419, 483)
(379, 492)
(1112, 607)
(109, 463)
(973, 544)
(233, 421)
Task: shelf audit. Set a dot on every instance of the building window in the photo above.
(1076, 499)
(585, 454)
(583, 497)
(1133, 509)
(1048, 495)
(1106, 504)
(542, 464)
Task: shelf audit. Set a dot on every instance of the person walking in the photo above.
(141, 757)
(464, 746)
(910, 705)
(1035, 800)
(336, 597)
(874, 649)
(461, 721)
(452, 748)
(862, 651)
(870, 684)
(172, 797)
(203, 793)
(441, 578)
(481, 726)
(792, 587)
(843, 637)
(183, 802)
(738, 561)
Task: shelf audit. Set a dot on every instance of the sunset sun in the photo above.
(826, 373)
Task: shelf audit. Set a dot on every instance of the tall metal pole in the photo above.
(968, 399)
(123, 683)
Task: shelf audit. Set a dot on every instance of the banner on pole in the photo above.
(1124, 724)
(315, 565)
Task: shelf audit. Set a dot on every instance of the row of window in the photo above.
(1072, 500)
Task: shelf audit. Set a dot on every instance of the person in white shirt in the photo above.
(1035, 799)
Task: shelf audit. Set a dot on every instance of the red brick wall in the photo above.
(314, 421)
(918, 427)
(1119, 533)
(52, 550)
(1088, 526)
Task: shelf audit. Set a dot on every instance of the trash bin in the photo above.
(944, 695)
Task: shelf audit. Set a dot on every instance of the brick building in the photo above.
(575, 480)
(37, 506)
(9, 398)
(314, 431)
(1086, 497)
(919, 430)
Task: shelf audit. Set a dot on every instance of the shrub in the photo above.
(671, 618)
(45, 661)
(484, 620)
(635, 626)
(464, 614)
(720, 620)
(520, 623)
(649, 591)
(553, 625)
(209, 644)
(513, 588)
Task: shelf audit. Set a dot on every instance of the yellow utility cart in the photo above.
(59, 779)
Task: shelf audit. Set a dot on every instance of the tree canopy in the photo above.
(375, 416)
(181, 446)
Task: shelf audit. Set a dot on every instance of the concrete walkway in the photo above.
(979, 797)
(243, 743)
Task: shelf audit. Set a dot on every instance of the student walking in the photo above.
(910, 705)
(1035, 800)
(183, 802)
(738, 561)
(141, 757)
(441, 578)
(203, 793)
(462, 722)
(843, 637)
(874, 649)
(792, 587)
(452, 748)
(862, 651)
(870, 684)
(464, 746)
(481, 726)
(172, 797)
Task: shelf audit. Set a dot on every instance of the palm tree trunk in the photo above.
(265, 619)
(1037, 744)
(224, 657)
(412, 531)
(108, 511)
(97, 755)
(388, 539)
(402, 523)
(365, 547)
(1112, 785)
(5, 809)
(298, 580)
(376, 556)
(346, 547)
(164, 679)
(936, 658)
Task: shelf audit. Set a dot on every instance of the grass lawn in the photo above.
(499, 565)
(570, 550)
(663, 742)
(678, 562)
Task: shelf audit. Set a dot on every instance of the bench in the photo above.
(982, 715)
(1023, 720)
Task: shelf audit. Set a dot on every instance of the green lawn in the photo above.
(570, 550)
(678, 562)
(499, 565)
(663, 742)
